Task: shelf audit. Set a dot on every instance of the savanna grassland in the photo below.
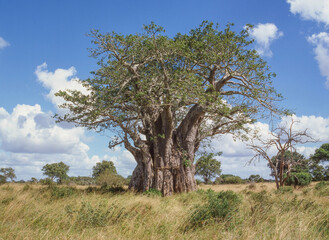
(257, 211)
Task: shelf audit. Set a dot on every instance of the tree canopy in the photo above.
(162, 96)
(208, 167)
(8, 173)
(56, 171)
(103, 166)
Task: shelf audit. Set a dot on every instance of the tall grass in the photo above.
(38, 212)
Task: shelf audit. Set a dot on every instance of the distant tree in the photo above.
(301, 164)
(56, 171)
(283, 139)
(228, 179)
(208, 167)
(320, 157)
(103, 166)
(255, 178)
(8, 173)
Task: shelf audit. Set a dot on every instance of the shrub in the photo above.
(299, 179)
(152, 192)
(321, 185)
(89, 216)
(220, 206)
(285, 189)
(322, 188)
(27, 187)
(110, 180)
(62, 192)
(46, 181)
(232, 180)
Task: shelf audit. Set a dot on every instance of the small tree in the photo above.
(321, 156)
(302, 165)
(56, 170)
(255, 178)
(283, 139)
(208, 167)
(8, 173)
(103, 166)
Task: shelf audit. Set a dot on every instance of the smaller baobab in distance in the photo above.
(282, 141)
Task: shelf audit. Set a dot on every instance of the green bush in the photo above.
(152, 192)
(285, 189)
(27, 187)
(322, 188)
(219, 207)
(89, 216)
(62, 192)
(47, 181)
(299, 179)
(110, 180)
(321, 185)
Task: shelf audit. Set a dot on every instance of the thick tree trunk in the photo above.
(174, 175)
(166, 164)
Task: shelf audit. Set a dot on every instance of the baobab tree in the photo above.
(163, 96)
(282, 140)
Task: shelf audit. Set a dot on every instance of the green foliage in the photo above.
(322, 188)
(8, 173)
(320, 157)
(90, 216)
(104, 166)
(27, 187)
(292, 157)
(208, 167)
(56, 171)
(219, 207)
(255, 178)
(321, 154)
(228, 179)
(82, 180)
(152, 192)
(284, 190)
(46, 181)
(107, 179)
(62, 192)
(3, 179)
(299, 179)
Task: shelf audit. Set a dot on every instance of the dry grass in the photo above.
(32, 213)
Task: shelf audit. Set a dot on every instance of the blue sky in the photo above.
(291, 35)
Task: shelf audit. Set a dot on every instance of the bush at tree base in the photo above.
(299, 179)
(219, 207)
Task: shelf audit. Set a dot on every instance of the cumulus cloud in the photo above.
(29, 130)
(321, 51)
(30, 138)
(317, 10)
(60, 79)
(3, 43)
(264, 34)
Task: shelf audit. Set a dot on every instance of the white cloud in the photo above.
(264, 35)
(29, 139)
(29, 130)
(60, 79)
(321, 51)
(317, 10)
(3, 43)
